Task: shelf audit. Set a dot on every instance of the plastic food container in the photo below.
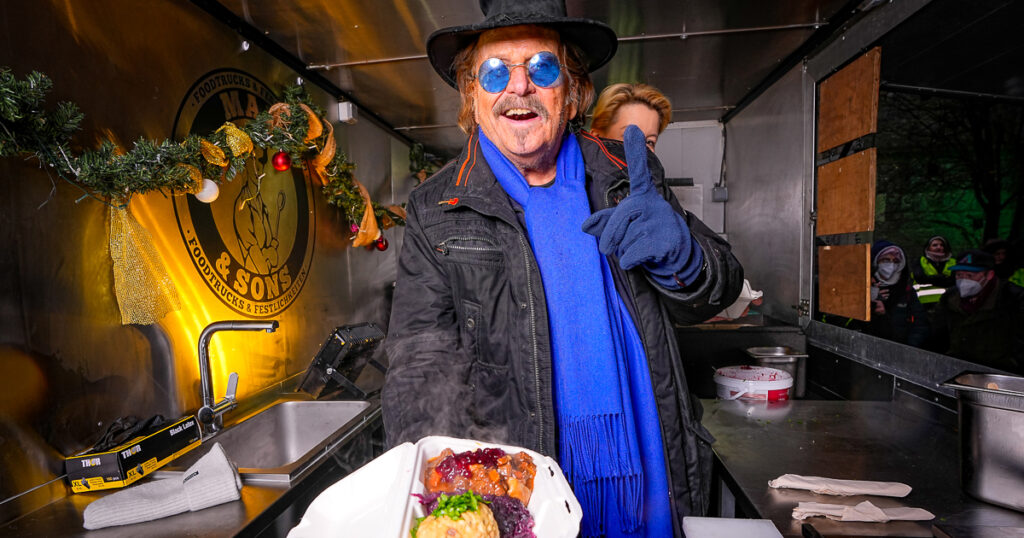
(753, 383)
(783, 358)
(376, 500)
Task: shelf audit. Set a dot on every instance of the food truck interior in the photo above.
(802, 131)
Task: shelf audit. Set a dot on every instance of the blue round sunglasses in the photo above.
(543, 69)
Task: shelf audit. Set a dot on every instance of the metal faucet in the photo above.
(210, 414)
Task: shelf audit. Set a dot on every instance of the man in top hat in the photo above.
(542, 273)
(982, 319)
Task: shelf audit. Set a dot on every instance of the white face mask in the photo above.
(886, 270)
(968, 287)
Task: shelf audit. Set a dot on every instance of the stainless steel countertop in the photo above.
(259, 506)
(64, 518)
(844, 439)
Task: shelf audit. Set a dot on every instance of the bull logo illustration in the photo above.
(253, 246)
(257, 224)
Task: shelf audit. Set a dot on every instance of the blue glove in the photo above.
(643, 228)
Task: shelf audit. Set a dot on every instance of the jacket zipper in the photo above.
(533, 343)
(443, 247)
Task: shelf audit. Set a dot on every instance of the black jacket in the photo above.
(905, 319)
(992, 335)
(468, 342)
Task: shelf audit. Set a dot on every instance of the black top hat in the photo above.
(974, 260)
(594, 39)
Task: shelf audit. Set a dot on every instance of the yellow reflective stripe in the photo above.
(930, 270)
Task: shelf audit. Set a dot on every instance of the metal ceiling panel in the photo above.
(950, 46)
(706, 55)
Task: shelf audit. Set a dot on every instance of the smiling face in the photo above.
(639, 114)
(937, 246)
(524, 121)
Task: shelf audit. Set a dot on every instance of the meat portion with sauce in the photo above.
(486, 471)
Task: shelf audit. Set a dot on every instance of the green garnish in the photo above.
(451, 507)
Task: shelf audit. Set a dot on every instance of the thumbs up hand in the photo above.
(644, 229)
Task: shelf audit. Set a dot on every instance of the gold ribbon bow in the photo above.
(237, 140)
(368, 229)
(195, 177)
(212, 153)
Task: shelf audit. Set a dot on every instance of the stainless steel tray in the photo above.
(774, 352)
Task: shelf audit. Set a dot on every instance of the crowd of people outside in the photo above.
(969, 305)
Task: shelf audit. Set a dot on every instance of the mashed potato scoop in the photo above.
(459, 516)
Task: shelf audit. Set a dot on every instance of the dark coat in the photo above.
(905, 319)
(469, 344)
(993, 335)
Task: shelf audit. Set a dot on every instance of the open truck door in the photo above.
(846, 163)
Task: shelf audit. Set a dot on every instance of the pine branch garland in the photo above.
(113, 175)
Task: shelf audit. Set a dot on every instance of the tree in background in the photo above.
(952, 167)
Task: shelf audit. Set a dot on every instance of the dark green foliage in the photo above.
(421, 161)
(949, 167)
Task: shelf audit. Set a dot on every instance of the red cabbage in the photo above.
(514, 519)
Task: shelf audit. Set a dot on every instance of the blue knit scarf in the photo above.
(610, 443)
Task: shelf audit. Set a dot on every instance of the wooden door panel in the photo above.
(846, 194)
(844, 286)
(845, 204)
(848, 102)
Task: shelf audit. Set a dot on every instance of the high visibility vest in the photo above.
(929, 269)
(928, 294)
(1018, 277)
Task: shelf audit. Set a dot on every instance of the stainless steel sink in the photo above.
(284, 441)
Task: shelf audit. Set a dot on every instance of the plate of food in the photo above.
(438, 484)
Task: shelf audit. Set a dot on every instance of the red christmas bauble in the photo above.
(281, 161)
(381, 243)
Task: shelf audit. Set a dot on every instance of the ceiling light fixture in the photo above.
(346, 112)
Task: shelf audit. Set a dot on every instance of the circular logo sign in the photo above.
(253, 245)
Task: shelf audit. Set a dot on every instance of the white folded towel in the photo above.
(864, 511)
(210, 481)
(835, 486)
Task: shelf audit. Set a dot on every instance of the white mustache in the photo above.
(510, 102)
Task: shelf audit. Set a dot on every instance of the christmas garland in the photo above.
(423, 164)
(113, 175)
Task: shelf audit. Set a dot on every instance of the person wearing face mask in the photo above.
(896, 313)
(981, 318)
(933, 267)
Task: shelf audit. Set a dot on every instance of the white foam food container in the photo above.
(376, 500)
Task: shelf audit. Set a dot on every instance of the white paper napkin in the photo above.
(835, 486)
(210, 481)
(864, 511)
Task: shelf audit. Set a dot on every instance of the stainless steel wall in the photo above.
(768, 173)
(693, 150)
(67, 364)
